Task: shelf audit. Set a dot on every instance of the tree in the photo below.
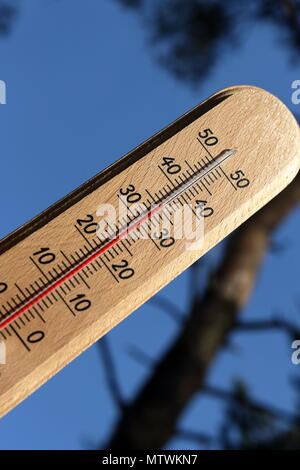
(190, 36)
(7, 14)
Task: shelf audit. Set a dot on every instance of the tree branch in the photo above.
(255, 405)
(111, 373)
(168, 307)
(273, 324)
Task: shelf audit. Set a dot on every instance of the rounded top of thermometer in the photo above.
(262, 129)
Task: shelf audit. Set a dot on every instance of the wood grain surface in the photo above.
(58, 327)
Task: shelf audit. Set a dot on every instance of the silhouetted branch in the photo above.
(276, 247)
(169, 307)
(275, 324)
(8, 13)
(111, 373)
(140, 356)
(197, 437)
(131, 3)
(255, 405)
(253, 428)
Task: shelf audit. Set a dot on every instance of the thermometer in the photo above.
(71, 274)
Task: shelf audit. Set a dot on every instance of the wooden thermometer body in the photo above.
(64, 283)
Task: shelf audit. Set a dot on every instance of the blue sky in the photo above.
(82, 90)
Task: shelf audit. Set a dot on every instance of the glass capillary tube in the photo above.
(182, 188)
